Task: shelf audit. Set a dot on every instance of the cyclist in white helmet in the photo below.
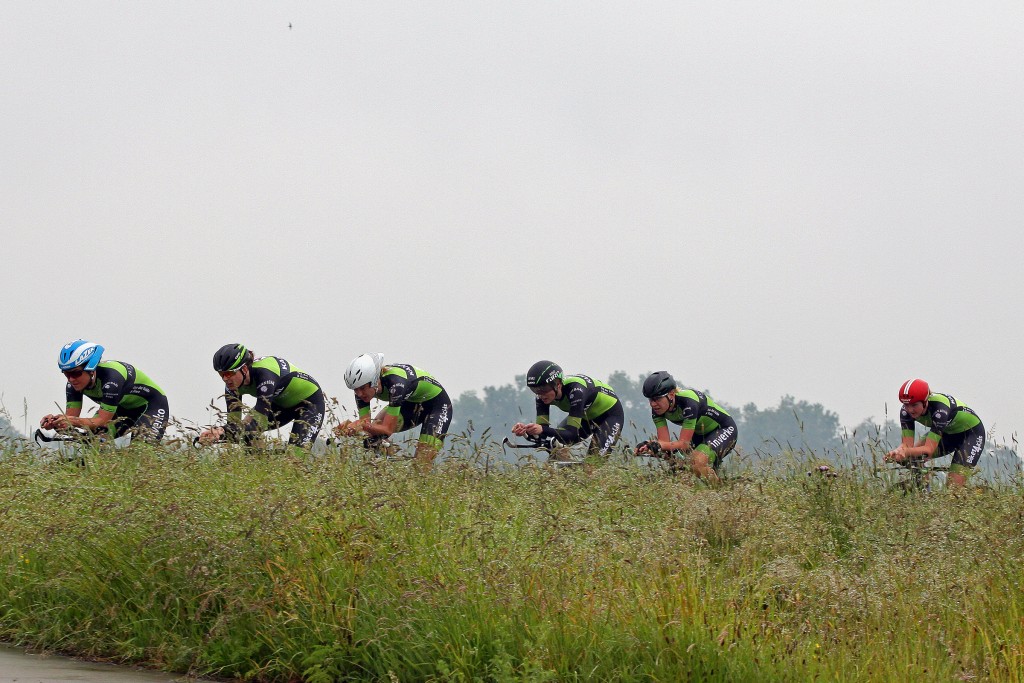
(413, 396)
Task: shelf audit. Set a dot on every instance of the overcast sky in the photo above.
(805, 198)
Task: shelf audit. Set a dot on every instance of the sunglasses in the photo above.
(74, 374)
(228, 374)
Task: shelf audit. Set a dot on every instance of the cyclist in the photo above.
(708, 432)
(284, 394)
(129, 400)
(414, 397)
(594, 411)
(955, 430)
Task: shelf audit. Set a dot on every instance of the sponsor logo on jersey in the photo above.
(723, 438)
(612, 437)
(443, 420)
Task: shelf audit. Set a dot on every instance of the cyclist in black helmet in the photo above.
(708, 432)
(595, 412)
(283, 394)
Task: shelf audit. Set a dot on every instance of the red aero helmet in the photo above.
(914, 390)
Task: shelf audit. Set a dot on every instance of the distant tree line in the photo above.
(7, 430)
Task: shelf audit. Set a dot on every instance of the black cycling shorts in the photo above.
(147, 422)
(603, 431)
(306, 419)
(719, 441)
(435, 415)
(965, 447)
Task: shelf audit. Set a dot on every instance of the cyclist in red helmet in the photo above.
(955, 430)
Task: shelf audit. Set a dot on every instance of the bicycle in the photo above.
(68, 445)
(381, 447)
(553, 447)
(914, 477)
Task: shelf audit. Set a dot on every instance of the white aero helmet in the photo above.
(364, 369)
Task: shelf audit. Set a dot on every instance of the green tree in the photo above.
(791, 426)
(7, 431)
(494, 413)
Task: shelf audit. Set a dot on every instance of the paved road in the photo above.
(18, 667)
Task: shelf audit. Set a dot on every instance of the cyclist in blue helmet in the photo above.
(128, 399)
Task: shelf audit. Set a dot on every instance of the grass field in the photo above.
(269, 568)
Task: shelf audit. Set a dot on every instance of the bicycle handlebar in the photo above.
(41, 436)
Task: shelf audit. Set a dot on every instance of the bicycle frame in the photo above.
(534, 443)
(541, 444)
(918, 478)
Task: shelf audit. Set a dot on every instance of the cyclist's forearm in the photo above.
(91, 423)
(567, 435)
(925, 449)
(387, 426)
(684, 443)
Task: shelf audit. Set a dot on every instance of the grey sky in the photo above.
(806, 198)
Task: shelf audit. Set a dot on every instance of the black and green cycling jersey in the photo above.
(117, 386)
(284, 394)
(693, 410)
(401, 383)
(584, 399)
(275, 383)
(414, 398)
(943, 415)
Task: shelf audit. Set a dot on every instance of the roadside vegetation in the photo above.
(265, 567)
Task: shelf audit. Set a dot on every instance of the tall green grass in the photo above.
(269, 568)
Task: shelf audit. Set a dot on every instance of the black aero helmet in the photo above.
(659, 384)
(543, 373)
(231, 357)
